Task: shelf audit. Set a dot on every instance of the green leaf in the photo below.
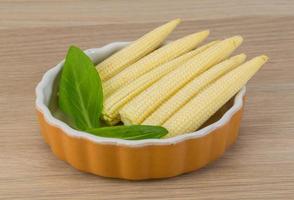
(80, 90)
(81, 100)
(133, 132)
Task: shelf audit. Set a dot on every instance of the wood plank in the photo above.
(34, 13)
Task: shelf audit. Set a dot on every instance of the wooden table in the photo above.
(34, 36)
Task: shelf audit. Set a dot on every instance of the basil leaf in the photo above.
(81, 100)
(80, 90)
(133, 132)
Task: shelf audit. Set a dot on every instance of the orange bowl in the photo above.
(133, 160)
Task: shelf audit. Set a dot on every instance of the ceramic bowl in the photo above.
(133, 160)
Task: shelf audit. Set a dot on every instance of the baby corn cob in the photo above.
(192, 115)
(152, 60)
(173, 104)
(146, 102)
(135, 50)
(114, 102)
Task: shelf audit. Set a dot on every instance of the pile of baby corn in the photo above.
(178, 85)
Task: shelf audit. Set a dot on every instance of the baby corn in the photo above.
(173, 104)
(139, 108)
(114, 102)
(135, 51)
(192, 115)
(152, 60)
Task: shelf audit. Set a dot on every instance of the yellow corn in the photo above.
(192, 115)
(152, 60)
(146, 102)
(173, 104)
(135, 50)
(114, 102)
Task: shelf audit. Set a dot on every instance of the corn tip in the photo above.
(202, 34)
(237, 40)
(205, 32)
(241, 56)
(264, 57)
(176, 21)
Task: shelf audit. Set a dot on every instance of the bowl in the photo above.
(139, 159)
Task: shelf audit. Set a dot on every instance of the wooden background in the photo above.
(34, 36)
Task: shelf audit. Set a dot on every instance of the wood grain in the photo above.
(34, 36)
(34, 13)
